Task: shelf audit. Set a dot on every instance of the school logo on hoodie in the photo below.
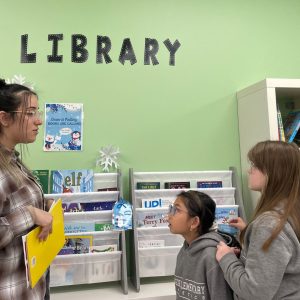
(188, 289)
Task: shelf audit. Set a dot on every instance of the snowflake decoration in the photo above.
(19, 79)
(108, 157)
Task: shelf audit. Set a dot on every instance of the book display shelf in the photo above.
(258, 108)
(107, 262)
(154, 248)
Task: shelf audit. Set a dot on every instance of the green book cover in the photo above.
(103, 226)
(42, 176)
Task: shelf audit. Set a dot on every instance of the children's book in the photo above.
(97, 206)
(76, 244)
(39, 254)
(63, 127)
(209, 184)
(72, 181)
(151, 243)
(77, 226)
(108, 189)
(292, 125)
(178, 185)
(151, 219)
(148, 185)
(74, 227)
(42, 177)
(281, 134)
(104, 248)
(103, 226)
(152, 203)
(88, 206)
(225, 213)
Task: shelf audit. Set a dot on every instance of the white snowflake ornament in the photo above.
(20, 79)
(108, 158)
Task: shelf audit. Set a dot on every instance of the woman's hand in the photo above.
(43, 219)
(237, 223)
(223, 249)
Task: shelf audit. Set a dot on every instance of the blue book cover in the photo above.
(88, 206)
(72, 181)
(76, 244)
(206, 184)
(73, 227)
(225, 213)
(63, 127)
(291, 125)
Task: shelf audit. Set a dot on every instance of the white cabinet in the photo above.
(73, 269)
(257, 114)
(155, 248)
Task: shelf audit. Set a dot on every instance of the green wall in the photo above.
(163, 118)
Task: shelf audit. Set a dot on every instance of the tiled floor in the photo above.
(113, 291)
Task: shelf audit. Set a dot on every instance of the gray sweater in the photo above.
(198, 275)
(260, 275)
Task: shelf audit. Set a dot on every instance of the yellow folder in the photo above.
(39, 255)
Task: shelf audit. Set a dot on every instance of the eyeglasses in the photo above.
(174, 209)
(33, 114)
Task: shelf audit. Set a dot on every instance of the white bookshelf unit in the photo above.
(257, 115)
(88, 268)
(160, 260)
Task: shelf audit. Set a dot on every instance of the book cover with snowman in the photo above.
(63, 127)
(225, 213)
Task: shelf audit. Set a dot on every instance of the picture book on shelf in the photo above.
(104, 248)
(88, 206)
(148, 185)
(42, 177)
(281, 134)
(225, 213)
(291, 125)
(77, 226)
(72, 181)
(152, 219)
(103, 226)
(108, 189)
(151, 243)
(63, 127)
(152, 203)
(76, 244)
(206, 184)
(74, 227)
(178, 185)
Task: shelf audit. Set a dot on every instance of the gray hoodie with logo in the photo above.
(265, 275)
(198, 275)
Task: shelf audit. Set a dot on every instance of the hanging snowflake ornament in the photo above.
(108, 158)
(20, 79)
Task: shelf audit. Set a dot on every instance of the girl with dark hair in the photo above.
(22, 205)
(197, 273)
(269, 265)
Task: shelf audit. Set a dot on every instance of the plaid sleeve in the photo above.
(14, 224)
(15, 218)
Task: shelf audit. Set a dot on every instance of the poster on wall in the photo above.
(63, 127)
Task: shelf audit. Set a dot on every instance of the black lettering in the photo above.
(55, 57)
(151, 49)
(103, 47)
(127, 52)
(172, 49)
(25, 57)
(79, 53)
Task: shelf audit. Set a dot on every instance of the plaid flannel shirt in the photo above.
(15, 221)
